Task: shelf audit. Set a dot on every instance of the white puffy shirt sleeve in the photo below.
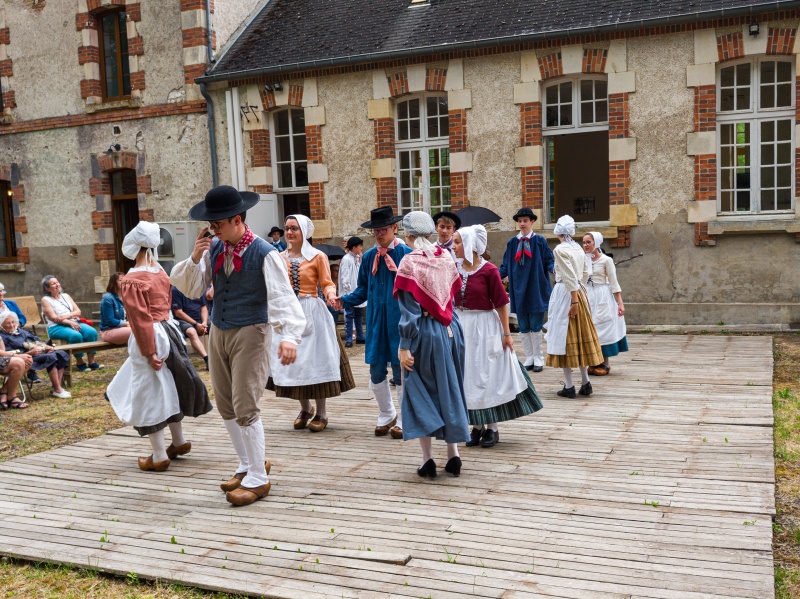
(611, 273)
(285, 314)
(192, 279)
(565, 270)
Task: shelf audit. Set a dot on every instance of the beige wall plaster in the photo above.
(754, 44)
(524, 93)
(572, 59)
(416, 75)
(529, 66)
(617, 57)
(701, 142)
(455, 75)
(314, 116)
(380, 85)
(459, 99)
(701, 74)
(705, 46)
(310, 95)
(622, 83)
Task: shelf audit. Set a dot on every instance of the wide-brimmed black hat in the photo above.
(223, 202)
(451, 215)
(381, 217)
(353, 242)
(275, 230)
(525, 212)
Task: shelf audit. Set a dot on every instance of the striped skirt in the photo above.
(523, 404)
(320, 390)
(583, 347)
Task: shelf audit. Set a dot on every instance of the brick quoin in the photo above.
(386, 189)
(705, 108)
(102, 219)
(267, 99)
(701, 236)
(550, 65)
(24, 255)
(195, 5)
(21, 224)
(618, 181)
(6, 69)
(134, 11)
(435, 80)
(135, 46)
(88, 54)
(83, 20)
(458, 143)
(91, 87)
(147, 215)
(197, 36)
(316, 191)
(143, 184)
(18, 191)
(533, 187)
(193, 71)
(5, 36)
(9, 99)
(594, 61)
(137, 80)
(383, 131)
(99, 186)
(530, 134)
(618, 116)
(780, 41)
(296, 95)
(705, 177)
(259, 147)
(731, 46)
(623, 238)
(104, 251)
(398, 84)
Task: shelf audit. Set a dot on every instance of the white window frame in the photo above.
(754, 115)
(274, 154)
(421, 145)
(575, 127)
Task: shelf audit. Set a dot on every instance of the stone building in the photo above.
(101, 125)
(668, 126)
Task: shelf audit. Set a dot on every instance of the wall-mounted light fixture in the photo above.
(754, 28)
(10, 193)
(113, 148)
(267, 88)
(278, 86)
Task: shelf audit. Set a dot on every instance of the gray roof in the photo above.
(294, 35)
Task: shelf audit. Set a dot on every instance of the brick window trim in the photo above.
(10, 174)
(9, 101)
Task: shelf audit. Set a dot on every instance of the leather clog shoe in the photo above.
(382, 431)
(302, 419)
(235, 481)
(173, 452)
(490, 438)
(567, 392)
(245, 495)
(600, 370)
(585, 389)
(396, 432)
(317, 424)
(147, 464)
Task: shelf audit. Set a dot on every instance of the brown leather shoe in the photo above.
(148, 464)
(317, 424)
(601, 370)
(236, 480)
(246, 496)
(302, 419)
(396, 432)
(591, 371)
(382, 431)
(173, 452)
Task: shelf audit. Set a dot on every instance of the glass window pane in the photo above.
(445, 157)
(601, 112)
(433, 127)
(727, 197)
(743, 201)
(413, 108)
(298, 121)
(768, 71)
(551, 95)
(726, 99)
(281, 122)
(299, 142)
(566, 114)
(784, 71)
(726, 134)
(767, 131)
(767, 154)
(433, 106)
(552, 117)
(405, 179)
(433, 158)
(402, 130)
(727, 178)
(784, 154)
(783, 97)
(565, 91)
(444, 126)
(443, 105)
(283, 149)
(743, 180)
(301, 174)
(784, 176)
(587, 90)
(435, 199)
(404, 160)
(784, 130)
(285, 175)
(601, 90)
(768, 177)
(767, 199)
(414, 129)
(587, 114)
(784, 199)
(743, 74)
(767, 96)
(402, 110)
(743, 98)
(726, 77)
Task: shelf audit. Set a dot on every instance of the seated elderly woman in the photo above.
(13, 366)
(11, 305)
(15, 338)
(63, 320)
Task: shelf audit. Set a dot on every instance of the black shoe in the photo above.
(538, 368)
(585, 389)
(529, 368)
(428, 469)
(567, 392)
(349, 344)
(474, 437)
(453, 466)
(205, 359)
(360, 341)
(490, 438)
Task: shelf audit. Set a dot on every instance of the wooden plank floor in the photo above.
(660, 485)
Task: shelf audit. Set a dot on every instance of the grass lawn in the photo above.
(51, 422)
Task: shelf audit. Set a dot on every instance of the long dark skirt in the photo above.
(57, 359)
(192, 393)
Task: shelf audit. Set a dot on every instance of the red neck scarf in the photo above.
(432, 282)
(236, 250)
(384, 253)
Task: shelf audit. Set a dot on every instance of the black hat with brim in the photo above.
(381, 217)
(525, 212)
(275, 230)
(451, 215)
(223, 202)
(354, 242)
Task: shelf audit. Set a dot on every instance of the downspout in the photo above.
(212, 134)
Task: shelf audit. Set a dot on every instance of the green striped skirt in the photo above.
(523, 404)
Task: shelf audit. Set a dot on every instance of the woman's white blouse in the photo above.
(604, 272)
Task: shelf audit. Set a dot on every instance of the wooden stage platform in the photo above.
(660, 485)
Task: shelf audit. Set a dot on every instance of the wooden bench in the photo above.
(28, 306)
(72, 348)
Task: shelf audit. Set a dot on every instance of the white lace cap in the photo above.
(565, 226)
(144, 235)
(307, 231)
(474, 239)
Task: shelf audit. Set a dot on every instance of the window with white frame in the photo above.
(755, 129)
(422, 139)
(289, 142)
(575, 130)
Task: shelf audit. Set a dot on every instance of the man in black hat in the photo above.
(446, 223)
(527, 262)
(251, 294)
(348, 281)
(275, 233)
(376, 284)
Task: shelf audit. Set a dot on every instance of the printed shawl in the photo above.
(432, 281)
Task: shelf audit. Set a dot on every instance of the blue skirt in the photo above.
(614, 349)
(434, 403)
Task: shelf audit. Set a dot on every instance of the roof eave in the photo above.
(496, 41)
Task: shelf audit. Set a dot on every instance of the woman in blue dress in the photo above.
(431, 349)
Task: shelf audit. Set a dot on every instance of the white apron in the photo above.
(318, 354)
(558, 319)
(492, 376)
(139, 395)
(609, 325)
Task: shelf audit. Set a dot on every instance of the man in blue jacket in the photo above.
(376, 285)
(528, 262)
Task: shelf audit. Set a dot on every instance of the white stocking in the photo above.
(527, 347)
(452, 450)
(176, 432)
(536, 346)
(493, 426)
(235, 433)
(584, 374)
(305, 405)
(568, 378)
(399, 406)
(253, 436)
(321, 411)
(383, 394)
(157, 443)
(426, 444)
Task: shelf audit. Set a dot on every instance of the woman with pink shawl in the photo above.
(431, 347)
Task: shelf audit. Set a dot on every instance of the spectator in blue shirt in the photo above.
(10, 305)
(192, 317)
(114, 326)
(275, 235)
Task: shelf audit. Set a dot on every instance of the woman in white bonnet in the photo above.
(496, 384)
(605, 298)
(144, 394)
(571, 337)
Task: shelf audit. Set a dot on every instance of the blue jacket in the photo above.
(383, 311)
(529, 282)
(112, 313)
(279, 245)
(11, 305)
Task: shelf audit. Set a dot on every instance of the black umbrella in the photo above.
(333, 252)
(476, 215)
